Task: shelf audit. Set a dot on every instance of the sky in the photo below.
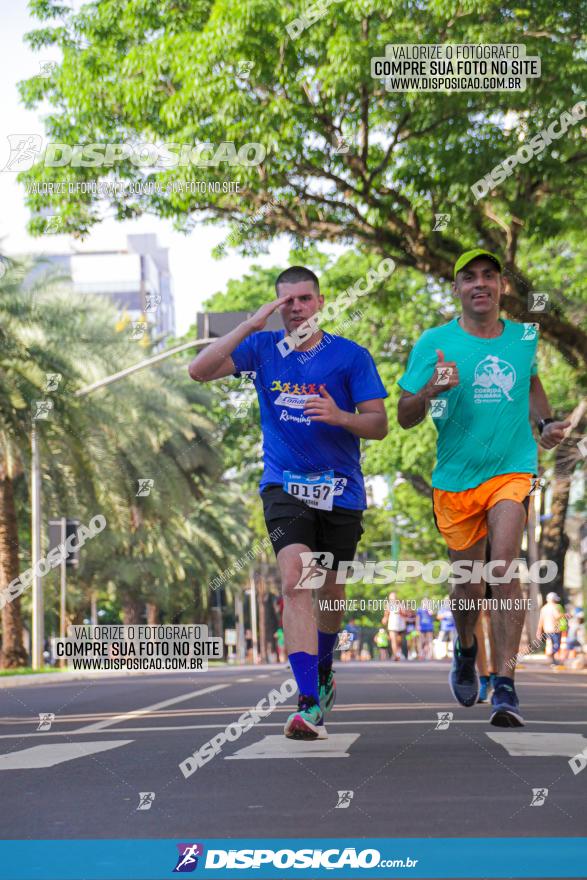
(195, 274)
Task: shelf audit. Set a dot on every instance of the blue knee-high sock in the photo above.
(326, 643)
(305, 669)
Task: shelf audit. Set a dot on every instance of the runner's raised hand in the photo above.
(258, 321)
(445, 376)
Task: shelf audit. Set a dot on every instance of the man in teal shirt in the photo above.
(477, 377)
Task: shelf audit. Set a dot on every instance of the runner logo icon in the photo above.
(344, 799)
(438, 408)
(46, 719)
(187, 859)
(539, 795)
(344, 641)
(146, 799)
(530, 332)
(492, 378)
(441, 222)
(314, 568)
(444, 719)
(444, 374)
(538, 301)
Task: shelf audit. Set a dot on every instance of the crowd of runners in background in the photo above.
(407, 634)
(428, 633)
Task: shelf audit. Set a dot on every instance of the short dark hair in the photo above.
(295, 274)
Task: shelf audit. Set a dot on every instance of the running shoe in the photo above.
(506, 708)
(483, 688)
(463, 678)
(492, 680)
(307, 722)
(327, 690)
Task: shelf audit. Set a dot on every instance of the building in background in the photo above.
(137, 280)
(214, 324)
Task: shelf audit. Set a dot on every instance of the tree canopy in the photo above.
(344, 160)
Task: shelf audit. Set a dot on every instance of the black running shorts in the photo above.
(335, 531)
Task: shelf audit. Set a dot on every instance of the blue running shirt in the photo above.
(425, 620)
(291, 442)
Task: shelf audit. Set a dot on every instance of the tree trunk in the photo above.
(13, 651)
(261, 592)
(198, 609)
(531, 622)
(132, 608)
(554, 541)
(152, 614)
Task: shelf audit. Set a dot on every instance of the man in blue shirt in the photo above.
(477, 377)
(318, 395)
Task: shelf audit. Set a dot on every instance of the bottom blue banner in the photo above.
(414, 857)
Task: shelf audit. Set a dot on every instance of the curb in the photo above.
(9, 681)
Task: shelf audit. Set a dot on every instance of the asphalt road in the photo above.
(111, 739)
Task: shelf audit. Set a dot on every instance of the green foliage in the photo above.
(146, 71)
(165, 547)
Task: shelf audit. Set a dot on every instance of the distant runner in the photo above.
(550, 624)
(314, 409)
(425, 628)
(477, 376)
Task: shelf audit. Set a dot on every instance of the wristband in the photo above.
(542, 423)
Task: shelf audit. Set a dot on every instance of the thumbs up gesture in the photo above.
(445, 376)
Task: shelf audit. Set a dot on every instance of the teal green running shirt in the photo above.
(483, 423)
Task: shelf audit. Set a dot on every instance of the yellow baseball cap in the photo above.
(469, 256)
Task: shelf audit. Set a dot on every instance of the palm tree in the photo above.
(30, 349)
(95, 449)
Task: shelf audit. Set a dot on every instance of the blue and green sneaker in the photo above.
(307, 722)
(327, 690)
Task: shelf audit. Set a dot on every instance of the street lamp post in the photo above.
(253, 594)
(394, 543)
(38, 636)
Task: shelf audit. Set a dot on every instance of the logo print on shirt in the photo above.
(492, 378)
(294, 395)
(295, 387)
(294, 401)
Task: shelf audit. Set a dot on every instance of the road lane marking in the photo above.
(235, 710)
(136, 713)
(336, 746)
(220, 726)
(540, 745)
(202, 712)
(50, 754)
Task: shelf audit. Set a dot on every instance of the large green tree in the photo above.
(227, 70)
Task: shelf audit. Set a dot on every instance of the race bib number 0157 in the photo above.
(316, 490)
